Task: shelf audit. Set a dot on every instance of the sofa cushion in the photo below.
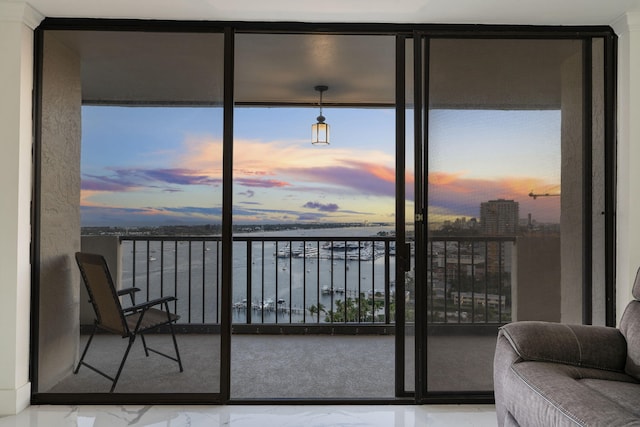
(579, 345)
(559, 394)
(625, 394)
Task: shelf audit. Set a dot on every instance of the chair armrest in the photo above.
(127, 291)
(579, 345)
(148, 304)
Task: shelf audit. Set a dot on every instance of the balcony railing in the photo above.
(469, 279)
(323, 281)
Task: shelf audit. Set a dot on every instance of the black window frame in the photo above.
(401, 31)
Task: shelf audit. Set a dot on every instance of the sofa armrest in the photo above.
(579, 345)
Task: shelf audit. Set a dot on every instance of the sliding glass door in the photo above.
(512, 131)
(130, 169)
(315, 245)
(465, 182)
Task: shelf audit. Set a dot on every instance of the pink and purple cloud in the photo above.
(328, 207)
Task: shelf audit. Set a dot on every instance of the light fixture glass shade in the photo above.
(320, 133)
(320, 130)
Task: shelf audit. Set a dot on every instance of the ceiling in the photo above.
(536, 12)
(145, 68)
(282, 69)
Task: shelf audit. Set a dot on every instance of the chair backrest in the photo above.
(102, 292)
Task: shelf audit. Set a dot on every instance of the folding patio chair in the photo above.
(128, 322)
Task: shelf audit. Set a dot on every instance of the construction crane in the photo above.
(536, 195)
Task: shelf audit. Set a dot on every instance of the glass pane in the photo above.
(140, 185)
(505, 197)
(314, 263)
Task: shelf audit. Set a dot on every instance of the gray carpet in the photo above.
(284, 366)
(312, 367)
(460, 363)
(153, 374)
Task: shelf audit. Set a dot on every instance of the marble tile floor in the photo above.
(254, 416)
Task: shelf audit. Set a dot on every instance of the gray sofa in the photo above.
(551, 374)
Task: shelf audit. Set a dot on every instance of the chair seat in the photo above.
(152, 317)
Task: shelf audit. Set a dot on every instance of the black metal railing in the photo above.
(186, 267)
(321, 280)
(311, 280)
(469, 279)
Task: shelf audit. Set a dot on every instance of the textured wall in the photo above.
(60, 213)
(16, 137)
(628, 158)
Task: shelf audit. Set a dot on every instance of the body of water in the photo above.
(274, 281)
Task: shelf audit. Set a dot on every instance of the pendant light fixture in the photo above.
(320, 130)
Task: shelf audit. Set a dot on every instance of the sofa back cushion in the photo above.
(630, 328)
(635, 291)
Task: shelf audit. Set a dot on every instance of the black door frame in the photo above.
(402, 32)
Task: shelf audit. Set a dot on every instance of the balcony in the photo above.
(316, 313)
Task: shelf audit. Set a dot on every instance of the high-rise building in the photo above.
(499, 217)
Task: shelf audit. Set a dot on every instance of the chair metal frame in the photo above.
(128, 317)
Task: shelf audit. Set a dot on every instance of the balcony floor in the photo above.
(283, 366)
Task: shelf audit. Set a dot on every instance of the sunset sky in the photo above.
(162, 166)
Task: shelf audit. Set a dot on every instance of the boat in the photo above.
(284, 252)
(240, 304)
(342, 245)
(306, 251)
(281, 305)
(268, 304)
